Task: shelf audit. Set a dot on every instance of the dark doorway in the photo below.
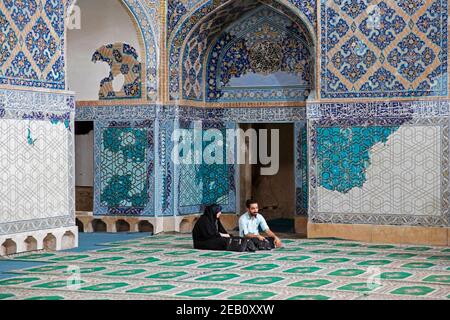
(84, 165)
(274, 193)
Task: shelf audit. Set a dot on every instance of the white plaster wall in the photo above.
(84, 160)
(404, 177)
(102, 22)
(34, 179)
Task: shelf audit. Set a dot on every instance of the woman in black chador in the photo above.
(208, 233)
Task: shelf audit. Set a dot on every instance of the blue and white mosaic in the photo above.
(260, 57)
(177, 198)
(124, 168)
(32, 43)
(200, 34)
(383, 49)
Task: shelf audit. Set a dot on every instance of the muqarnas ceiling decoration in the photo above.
(264, 56)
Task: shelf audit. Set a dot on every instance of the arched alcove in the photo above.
(98, 225)
(122, 226)
(274, 36)
(50, 242)
(68, 240)
(8, 247)
(30, 244)
(145, 226)
(246, 54)
(262, 56)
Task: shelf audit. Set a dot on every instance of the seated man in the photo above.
(250, 222)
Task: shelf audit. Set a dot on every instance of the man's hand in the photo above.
(261, 238)
(278, 243)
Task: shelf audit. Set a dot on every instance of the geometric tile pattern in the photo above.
(202, 184)
(404, 179)
(167, 174)
(392, 24)
(388, 114)
(166, 267)
(402, 174)
(124, 168)
(175, 11)
(34, 175)
(21, 12)
(54, 10)
(301, 168)
(344, 155)
(8, 39)
(32, 43)
(411, 49)
(351, 64)
(367, 45)
(36, 161)
(41, 44)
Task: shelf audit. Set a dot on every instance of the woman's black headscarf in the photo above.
(211, 212)
(208, 225)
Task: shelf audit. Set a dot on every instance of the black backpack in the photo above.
(266, 244)
(239, 244)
